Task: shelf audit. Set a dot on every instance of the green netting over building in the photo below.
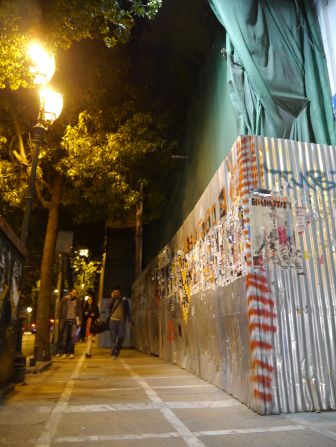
(262, 72)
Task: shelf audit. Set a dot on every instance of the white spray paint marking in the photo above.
(189, 438)
(97, 438)
(56, 414)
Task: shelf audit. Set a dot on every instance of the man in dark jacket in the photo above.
(70, 320)
(119, 313)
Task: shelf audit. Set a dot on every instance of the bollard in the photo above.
(32, 361)
(19, 369)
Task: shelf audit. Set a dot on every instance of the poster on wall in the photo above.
(272, 237)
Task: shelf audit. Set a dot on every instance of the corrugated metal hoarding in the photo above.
(244, 294)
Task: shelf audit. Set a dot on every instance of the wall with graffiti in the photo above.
(244, 294)
(12, 255)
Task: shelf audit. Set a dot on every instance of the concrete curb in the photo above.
(38, 368)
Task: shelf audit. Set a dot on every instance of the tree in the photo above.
(124, 140)
(60, 23)
(87, 272)
(119, 162)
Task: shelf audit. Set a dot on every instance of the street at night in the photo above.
(167, 223)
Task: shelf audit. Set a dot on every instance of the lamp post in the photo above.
(51, 104)
(42, 68)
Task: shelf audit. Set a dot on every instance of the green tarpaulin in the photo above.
(276, 69)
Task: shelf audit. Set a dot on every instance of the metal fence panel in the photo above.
(257, 322)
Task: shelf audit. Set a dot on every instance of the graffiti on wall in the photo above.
(10, 273)
(312, 179)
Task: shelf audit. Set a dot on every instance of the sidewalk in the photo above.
(142, 401)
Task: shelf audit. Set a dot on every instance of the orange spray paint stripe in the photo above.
(255, 284)
(267, 397)
(259, 363)
(260, 299)
(262, 326)
(257, 344)
(261, 313)
(264, 380)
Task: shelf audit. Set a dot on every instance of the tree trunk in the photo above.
(42, 337)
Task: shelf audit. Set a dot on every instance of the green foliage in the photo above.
(14, 66)
(86, 272)
(135, 97)
(13, 178)
(60, 23)
(106, 169)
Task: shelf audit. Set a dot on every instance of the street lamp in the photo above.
(51, 103)
(43, 63)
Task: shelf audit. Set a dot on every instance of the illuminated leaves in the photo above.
(14, 67)
(107, 169)
(61, 22)
(86, 271)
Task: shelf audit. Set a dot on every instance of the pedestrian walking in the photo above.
(70, 320)
(90, 315)
(119, 313)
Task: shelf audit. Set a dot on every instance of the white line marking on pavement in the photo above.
(56, 414)
(181, 386)
(97, 438)
(154, 387)
(190, 439)
(66, 381)
(154, 405)
(314, 427)
(141, 406)
(119, 389)
(205, 404)
(241, 431)
(150, 365)
(118, 367)
(168, 377)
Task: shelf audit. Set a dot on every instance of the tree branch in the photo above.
(45, 203)
(22, 157)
